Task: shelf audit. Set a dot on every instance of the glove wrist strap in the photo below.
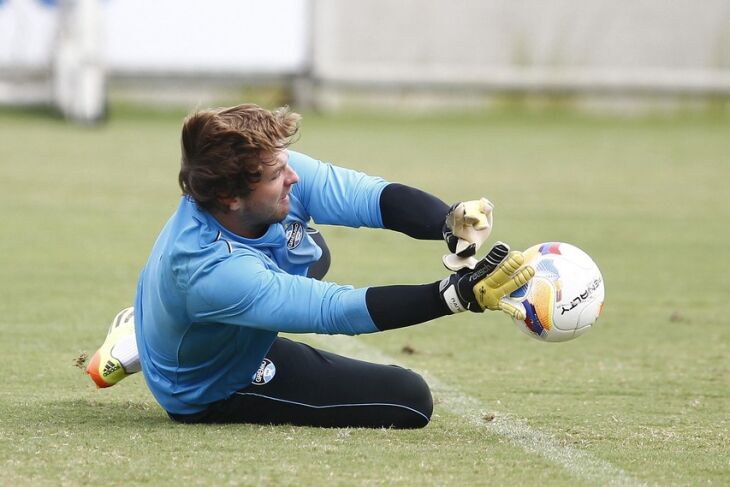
(451, 296)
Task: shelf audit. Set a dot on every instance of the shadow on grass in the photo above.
(92, 413)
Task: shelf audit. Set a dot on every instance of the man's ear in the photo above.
(233, 204)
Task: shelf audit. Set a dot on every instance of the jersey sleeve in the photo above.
(337, 196)
(242, 291)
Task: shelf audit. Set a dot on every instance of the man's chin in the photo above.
(279, 217)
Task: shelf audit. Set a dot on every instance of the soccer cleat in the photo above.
(117, 357)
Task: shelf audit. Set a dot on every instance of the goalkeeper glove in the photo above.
(467, 226)
(493, 278)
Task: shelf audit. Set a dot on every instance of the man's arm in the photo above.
(334, 195)
(243, 291)
(413, 212)
(493, 278)
(276, 301)
(339, 196)
(404, 305)
(465, 226)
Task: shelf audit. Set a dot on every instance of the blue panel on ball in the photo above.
(532, 321)
(519, 293)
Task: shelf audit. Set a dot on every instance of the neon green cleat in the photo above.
(117, 357)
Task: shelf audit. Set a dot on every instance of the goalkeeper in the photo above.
(238, 262)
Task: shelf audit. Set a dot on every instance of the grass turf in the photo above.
(647, 390)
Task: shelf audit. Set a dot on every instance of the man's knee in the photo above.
(416, 395)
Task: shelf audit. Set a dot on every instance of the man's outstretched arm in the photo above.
(486, 286)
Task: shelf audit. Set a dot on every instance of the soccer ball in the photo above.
(565, 298)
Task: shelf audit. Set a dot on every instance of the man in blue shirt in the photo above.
(237, 263)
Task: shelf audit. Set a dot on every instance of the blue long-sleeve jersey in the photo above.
(209, 303)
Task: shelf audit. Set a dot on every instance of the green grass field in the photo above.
(644, 398)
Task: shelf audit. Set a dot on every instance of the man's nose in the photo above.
(292, 176)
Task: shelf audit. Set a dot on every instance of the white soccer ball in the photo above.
(565, 298)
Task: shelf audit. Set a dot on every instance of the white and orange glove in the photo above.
(467, 226)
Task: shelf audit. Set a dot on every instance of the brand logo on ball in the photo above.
(266, 372)
(294, 234)
(590, 289)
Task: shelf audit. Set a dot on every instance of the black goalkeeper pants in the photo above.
(303, 386)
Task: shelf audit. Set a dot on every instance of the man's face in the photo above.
(269, 201)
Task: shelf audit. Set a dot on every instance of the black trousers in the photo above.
(300, 385)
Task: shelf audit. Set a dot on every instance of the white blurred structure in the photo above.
(330, 51)
(78, 72)
(211, 37)
(574, 47)
(60, 52)
(51, 54)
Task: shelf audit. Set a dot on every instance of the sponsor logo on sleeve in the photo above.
(294, 235)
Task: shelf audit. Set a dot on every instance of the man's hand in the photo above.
(467, 227)
(493, 278)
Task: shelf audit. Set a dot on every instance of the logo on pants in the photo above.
(266, 372)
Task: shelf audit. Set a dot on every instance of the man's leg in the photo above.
(118, 356)
(300, 385)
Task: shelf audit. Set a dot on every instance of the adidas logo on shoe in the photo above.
(110, 368)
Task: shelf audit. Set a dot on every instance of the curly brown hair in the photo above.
(224, 149)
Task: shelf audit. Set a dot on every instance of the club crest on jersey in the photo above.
(294, 235)
(266, 372)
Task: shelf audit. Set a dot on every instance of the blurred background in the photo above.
(625, 56)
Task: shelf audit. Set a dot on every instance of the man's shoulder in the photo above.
(302, 163)
(190, 240)
(297, 157)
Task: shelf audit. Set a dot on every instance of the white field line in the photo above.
(578, 463)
